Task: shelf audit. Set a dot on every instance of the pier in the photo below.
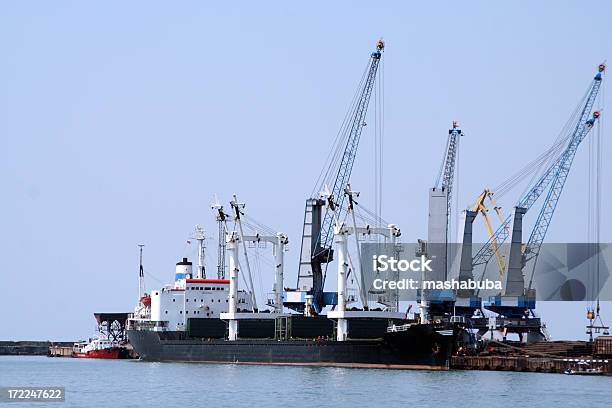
(523, 364)
(32, 348)
(541, 357)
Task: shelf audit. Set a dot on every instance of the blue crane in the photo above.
(317, 236)
(554, 177)
(446, 176)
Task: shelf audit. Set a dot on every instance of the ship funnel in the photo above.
(183, 270)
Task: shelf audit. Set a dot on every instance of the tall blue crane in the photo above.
(554, 177)
(317, 236)
(446, 176)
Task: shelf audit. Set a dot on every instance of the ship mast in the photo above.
(221, 219)
(200, 236)
(141, 287)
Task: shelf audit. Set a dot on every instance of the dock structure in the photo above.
(30, 348)
(540, 357)
(60, 350)
(524, 363)
(111, 326)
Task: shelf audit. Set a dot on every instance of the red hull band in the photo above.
(107, 354)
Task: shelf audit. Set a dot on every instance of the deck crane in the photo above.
(554, 177)
(390, 233)
(238, 208)
(318, 235)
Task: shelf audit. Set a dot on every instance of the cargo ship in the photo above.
(409, 347)
(189, 322)
(211, 320)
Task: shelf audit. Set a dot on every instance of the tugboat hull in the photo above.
(105, 354)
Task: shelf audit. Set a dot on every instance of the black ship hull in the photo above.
(417, 347)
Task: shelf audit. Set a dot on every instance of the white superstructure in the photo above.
(189, 298)
(95, 344)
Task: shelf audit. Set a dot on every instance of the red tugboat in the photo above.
(96, 348)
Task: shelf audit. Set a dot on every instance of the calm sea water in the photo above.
(120, 383)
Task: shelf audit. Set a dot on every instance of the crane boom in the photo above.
(479, 207)
(448, 174)
(552, 198)
(556, 173)
(345, 168)
(317, 236)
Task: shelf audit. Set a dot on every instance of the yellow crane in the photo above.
(480, 207)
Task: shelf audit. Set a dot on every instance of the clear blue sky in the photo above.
(121, 120)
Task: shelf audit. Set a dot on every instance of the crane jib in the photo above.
(555, 176)
(348, 157)
(317, 237)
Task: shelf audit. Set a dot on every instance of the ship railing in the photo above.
(457, 319)
(398, 328)
(136, 324)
